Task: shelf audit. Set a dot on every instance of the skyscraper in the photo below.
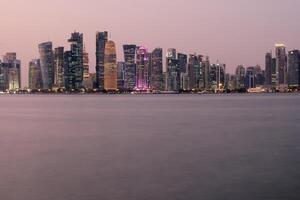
(130, 66)
(110, 67)
(46, 60)
(87, 83)
(12, 72)
(101, 40)
(250, 78)
(58, 67)
(194, 68)
(142, 68)
(35, 80)
(76, 42)
(240, 73)
(156, 78)
(268, 68)
(181, 69)
(172, 67)
(206, 66)
(281, 65)
(121, 75)
(294, 68)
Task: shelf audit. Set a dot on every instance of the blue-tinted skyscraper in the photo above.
(130, 66)
(101, 40)
(294, 68)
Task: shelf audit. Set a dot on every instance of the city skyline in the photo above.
(206, 27)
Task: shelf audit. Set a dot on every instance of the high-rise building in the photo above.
(294, 68)
(11, 72)
(156, 79)
(130, 66)
(86, 65)
(194, 71)
(121, 75)
(46, 60)
(142, 68)
(172, 68)
(35, 75)
(110, 67)
(101, 40)
(259, 75)
(274, 73)
(205, 68)
(87, 82)
(268, 68)
(250, 78)
(14, 71)
(240, 73)
(59, 67)
(76, 42)
(181, 69)
(281, 65)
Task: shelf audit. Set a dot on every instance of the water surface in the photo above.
(172, 147)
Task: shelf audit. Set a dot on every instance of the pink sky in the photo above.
(233, 31)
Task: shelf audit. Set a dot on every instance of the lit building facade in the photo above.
(76, 48)
(172, 71)
(281, 65)
(110, 67)
(101, 40)
(130, 66)
(142, 68)
(59, 67)
(121, 75)
(12, 72)
(156, 78)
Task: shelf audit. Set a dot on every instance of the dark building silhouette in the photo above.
(130, 66)
(156, 78)
(101, 40)
(268, 68)
(294, 68)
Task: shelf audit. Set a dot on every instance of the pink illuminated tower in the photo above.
(142, 68)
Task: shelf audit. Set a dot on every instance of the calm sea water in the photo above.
(227, 147)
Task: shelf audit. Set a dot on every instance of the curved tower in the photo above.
(46, 61)
(110, 67)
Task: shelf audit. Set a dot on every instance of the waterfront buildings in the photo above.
(142, 68)
(181, 70)
(10, 73)
(130, 66)
(46, 61)
(156, 79)
(268, 68)
(59, 67)
(281, 65)
(240, 74)
(35, 81)
(121, 75)
(101, 40)
(294, 68)
(172, 67)
(110, 67)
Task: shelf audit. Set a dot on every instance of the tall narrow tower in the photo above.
(110, 67)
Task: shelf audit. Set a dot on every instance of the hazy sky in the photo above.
(233, 31)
